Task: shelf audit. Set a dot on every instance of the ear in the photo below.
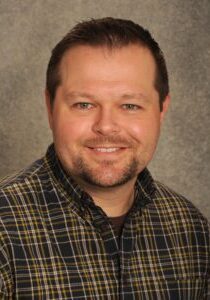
(49, 108)
(166, 103)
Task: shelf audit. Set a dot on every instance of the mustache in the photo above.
(109, 140)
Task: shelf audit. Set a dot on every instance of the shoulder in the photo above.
(166, 196)
(21, 197)
(13, 187)
(22, 175)
(179, 225)
(179, 211)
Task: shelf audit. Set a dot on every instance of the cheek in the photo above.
(135, 131)
(70, 130)
(144, 131)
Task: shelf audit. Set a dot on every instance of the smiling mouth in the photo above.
(106, 150)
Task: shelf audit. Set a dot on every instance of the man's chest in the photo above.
(73, 259)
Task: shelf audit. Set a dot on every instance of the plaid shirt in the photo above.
(56, 244)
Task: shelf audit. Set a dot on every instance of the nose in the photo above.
(106, 123)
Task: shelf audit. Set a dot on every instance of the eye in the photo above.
(130, 106)
(83, 105)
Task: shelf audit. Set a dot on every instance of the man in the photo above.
(88, 221)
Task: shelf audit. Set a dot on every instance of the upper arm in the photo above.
(6, 279)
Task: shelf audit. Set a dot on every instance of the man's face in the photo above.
(106, 115)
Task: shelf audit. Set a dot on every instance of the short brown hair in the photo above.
(112, 33)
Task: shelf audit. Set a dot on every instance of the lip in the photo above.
(111, 150)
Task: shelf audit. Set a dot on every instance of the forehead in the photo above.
(132, 65)
(130, 54)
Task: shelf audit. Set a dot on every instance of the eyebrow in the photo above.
(139, 96)
(126, 96)
(79, 94)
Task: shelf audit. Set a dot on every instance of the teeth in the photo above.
(106, 149)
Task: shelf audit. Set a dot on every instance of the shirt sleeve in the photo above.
(207, 296)
(6, 281)
(208, 284)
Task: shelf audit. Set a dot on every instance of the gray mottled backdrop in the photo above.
(30, 28)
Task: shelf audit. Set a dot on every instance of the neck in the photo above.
(114, 201)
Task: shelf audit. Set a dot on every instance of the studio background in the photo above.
(31, 28)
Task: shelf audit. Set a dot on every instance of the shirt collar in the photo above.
(144, 187)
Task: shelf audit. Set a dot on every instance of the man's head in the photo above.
(111, 33)
(103, 102)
